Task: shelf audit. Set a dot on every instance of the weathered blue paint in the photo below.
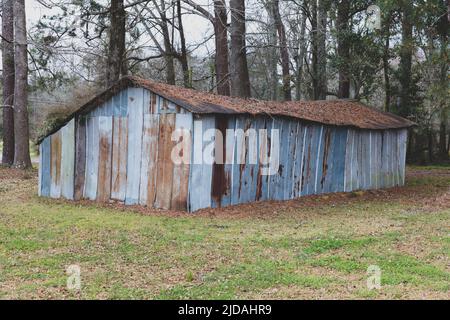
(135, 128)
(45, 165)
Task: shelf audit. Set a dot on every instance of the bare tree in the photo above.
(343, 47)
(283, 50)
(8, 81)
(116, 66)
(240, 79)
(221, 40)
(22, 158)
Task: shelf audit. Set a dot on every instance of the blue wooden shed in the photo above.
(120, 146)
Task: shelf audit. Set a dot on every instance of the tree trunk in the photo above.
(22, 158)
(386, 67)
(343, 50)
(116, 66)
(319, 59)
(301, 57)
(183, 56)
(240, 80)
(168, 48)
(221, 40)
(8, 82)
(283, 51)
(321, 93)
(271, 58)
(406, 52)
(443, 79)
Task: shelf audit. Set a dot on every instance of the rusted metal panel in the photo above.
(146, 101)
(68, 160)
(92, 156)
(201, 171)
(135, 128)
(165, 164)
(403, 137)
(55, 165)
(298, 160)
(45, 165)
(105, 128)
(80, 157)
(119, 158)
(180, 183)
(124, 103)
(262, 189)
(40, 172)
(149, 160)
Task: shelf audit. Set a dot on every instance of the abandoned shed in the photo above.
(121, 145)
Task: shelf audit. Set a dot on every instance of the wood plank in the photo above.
(40, 171)
(80, 157)
(201, 172)
(46, 167)
(68, 160)
(92, 152)
(105, 158)
(55, 187)
(119, 158)
(148, 161)
(135, 128)
(403, 136)
(180, 183)
(164, 164)
(124, 103)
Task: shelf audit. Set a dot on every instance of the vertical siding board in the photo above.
(55, 188)
(80, 157)
(298, 165)
(311, 158)
(264, 154)
(239, 158)
(105, 154)
(246, 170)
(135, 126)
(124, 103)
(273, 180)
(290, 163)
(46, 165)
(68, 160)
(402, 158)
(307, 155)
(165, 164)
(92, 159)
(148, 160)
(348, 161)
(201, 172)
(116, 100)
(40, 171)
(181, 171)
(229, 161)
(119, 158)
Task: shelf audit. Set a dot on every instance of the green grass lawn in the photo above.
(314, 247)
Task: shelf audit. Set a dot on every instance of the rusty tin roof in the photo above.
(332, 112)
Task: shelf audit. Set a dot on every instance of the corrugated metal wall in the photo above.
(122, 151)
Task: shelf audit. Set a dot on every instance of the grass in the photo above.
(309, 248)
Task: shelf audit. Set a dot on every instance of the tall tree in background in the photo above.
(319, 54)
(406, 53)
(183, 56)
(221, 41)
(116, 65)
(343, 47)
(8, 81)
(285, 63)
(240, 79)
(22, 158)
